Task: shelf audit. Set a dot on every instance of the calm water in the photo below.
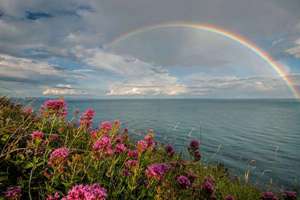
(262, 136)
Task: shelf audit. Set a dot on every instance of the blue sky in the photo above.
(61, 48)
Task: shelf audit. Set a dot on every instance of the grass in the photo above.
(44, 156)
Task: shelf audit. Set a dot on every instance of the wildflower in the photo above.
(194, 145)
(55, 107)
(126, 172)
(118, 139)
(197, 155)
(37, 135)
(268, 196)
(229, 197)
(58, 156)
(56, 196)
(102, 143)
(86, 118)
(131, 163)
(53, 137)
(28, 110)
(94, 134)
(290, 195)
(13, 193)
(117, 124)
(208, 185)
(170, 150)
(157, 171)
(106, 126)
(183, 181)
(86, 192)
(133, 154)
(120, 148)
(142, 146)
(149, 140)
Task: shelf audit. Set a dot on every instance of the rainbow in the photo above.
(210, 28)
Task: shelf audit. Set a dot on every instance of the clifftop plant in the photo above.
(45, 156)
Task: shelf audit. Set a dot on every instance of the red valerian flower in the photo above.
(57, 107)
(86, 118)
(157, 171)
(86, 192)
(268, 196)
(183, 181)
(13, 193)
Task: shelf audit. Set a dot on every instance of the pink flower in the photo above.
(117, 123)
(157, 171)
(290, 195)
(87, 192)
(268, 196)
(208, 185)
(28, 110)
(120, 148)
(197, 155)
(37, 135)
(56, 107)
(86, 118)
(131, 163)
(102, 143)
(183, 181)
(106, 126)
(58, 156)
(53, 137)
(56, 196)
(133, 154)
(142, 145)
(170, 150)
(149, 140)
(194, 145)
(13, 193)
(229, 197)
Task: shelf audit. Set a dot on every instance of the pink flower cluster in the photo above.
(106, 126)
(86, 118)
(56, 196)
(194, 150)
(268, 196)
(56, 107)
(86, 192)
(13, 193)
(169, 150)
(147, 143)
(229, 197)
(58, 156)
(208, 185)
(157, 171)
(183, 181)
(120, 148)
(290, 195)
(133, 154)
(131, 164)
(37, 135)
(28, 110)
(103, 145)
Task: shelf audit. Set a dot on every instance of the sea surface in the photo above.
(259, 137)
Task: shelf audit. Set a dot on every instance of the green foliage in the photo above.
(26, 162)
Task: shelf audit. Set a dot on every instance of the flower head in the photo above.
(131, 164)
(86, 118)
(133, 154)
(87, 192)
(157, 171)
(290, 195)
(142, 145)
(208, 185)
(194, 145)
(268, 196)
(197, 155)
(120, 148)
(170, 150)
(56, 196)
(106, 126)
(229, 197)
(183, 181)
(13, 193)
(37, 135)
(57, 107)
(58, 156)
(28, 110)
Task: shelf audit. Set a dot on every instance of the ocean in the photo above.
(259, 137)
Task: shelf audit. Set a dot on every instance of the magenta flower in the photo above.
(208, 185)
(86, 192)
(268, 196)
(170, 150)
(120, 148)
(142, 146)
(149, 140)
(131, 164)
(56, 107)
(86, 118)
(229, 197)
(28, 110)
(194, 145)
(13, 193)
(197, 155)
(58, 156)
(183, 181)
(106, 126)
(37, 135)
(157, 171)
(290, 195)
(103, 143)
(117, 123)
(56, 196)
(133, 154)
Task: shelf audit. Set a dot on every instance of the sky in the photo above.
(65, 48)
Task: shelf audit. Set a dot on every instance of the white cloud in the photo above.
(25, 68)
(61, 89)
(295, 51)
